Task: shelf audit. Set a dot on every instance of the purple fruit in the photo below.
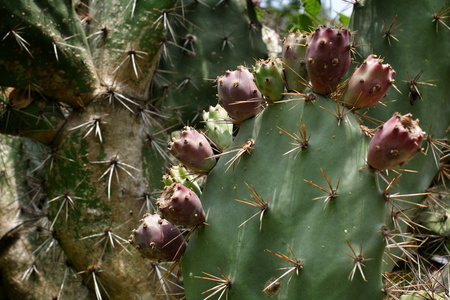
(239, 95)
(327, 58)
(395, 143)
(293, 56)
(181, 206)
(193, 150)
(369, 83)
(158, 239)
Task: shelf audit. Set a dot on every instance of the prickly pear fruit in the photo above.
(369, 83)
(328, 58)
(293, 57)
(181, 206)
(238, 94)
(193, 150)
(158, 239)
(180, 174)
(217, 129)
(395, 143)
(269, 78)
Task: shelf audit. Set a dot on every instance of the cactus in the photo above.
(182, 175)
(43, 48)
(193, 150)
(315, 229)
(209, 43)
(293, 204)
(158, 239)
(218, 129)
(181, 206)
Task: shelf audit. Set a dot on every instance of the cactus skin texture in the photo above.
(407, 59)
(395, 143)
(293, 57)
(193, 150)
(158, 239)
(316, 231)
(269, 78)
(43, 48)
(238, 94)
(328, 58)
(369, 83)
(181, 206)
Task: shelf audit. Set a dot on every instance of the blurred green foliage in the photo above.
(302, 15)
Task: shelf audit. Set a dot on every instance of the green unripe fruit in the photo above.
(218, 129)
(293, 56)
(269, 78)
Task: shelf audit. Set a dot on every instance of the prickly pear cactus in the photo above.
(285, 202)
(309, 207)
(395, 143)
(180, 205)
(193, 150)
(218, 129)
(268, 76)
(312, 208)
(158, 239)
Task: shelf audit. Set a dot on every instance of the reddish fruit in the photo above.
(328, 58)
(193, 150)
(181, 206)
(395, 143)
(158, 239)
(369, 83)
(239, 95)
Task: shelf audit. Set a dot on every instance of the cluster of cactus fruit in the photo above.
(323, 57)
(294, 183)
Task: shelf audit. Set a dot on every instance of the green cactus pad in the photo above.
(317, 231)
